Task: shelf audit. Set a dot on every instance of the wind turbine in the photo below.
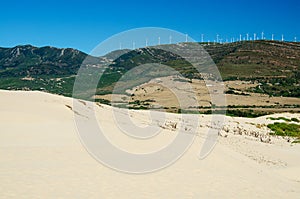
(254, 36)
(202, 38)
(282, 37)
(146, 42)
(217, 38)
(240, 37)
(158, 40)
(262, 35)
(295, 39)
(247, 36)
(186, 37)
(272, 37)
(120, 46)
(170, 39)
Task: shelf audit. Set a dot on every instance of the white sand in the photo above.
(41, 157)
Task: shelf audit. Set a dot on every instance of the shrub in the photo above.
(285, 129)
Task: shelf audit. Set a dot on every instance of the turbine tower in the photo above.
(240, 37)
(146, 42)
(262, 35)
(158, 40)
(186, 37)
(295, 39)
(202, 38)
(247, 36)
(120, 46)
(272, 37)
(170, 39)
(217, 38)
(282, 37)
(254, 36)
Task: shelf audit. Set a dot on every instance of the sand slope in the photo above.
(41, 157)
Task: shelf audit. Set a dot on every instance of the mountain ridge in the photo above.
(261, 60)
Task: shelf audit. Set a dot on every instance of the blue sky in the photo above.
(84, 24)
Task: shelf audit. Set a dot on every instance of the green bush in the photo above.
(285, 129)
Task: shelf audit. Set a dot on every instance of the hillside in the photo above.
(272, 64)
(47, 68)
(259, 59)
(30, 60)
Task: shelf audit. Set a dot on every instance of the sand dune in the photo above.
(41, 156)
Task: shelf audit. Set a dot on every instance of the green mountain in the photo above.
(30, 60)
(47, 68)
(275, 65)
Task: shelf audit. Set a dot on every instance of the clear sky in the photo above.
(84, 24)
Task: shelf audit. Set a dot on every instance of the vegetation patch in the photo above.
(232, 92)
(283, 118)
(245, 113)
(286, 129)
